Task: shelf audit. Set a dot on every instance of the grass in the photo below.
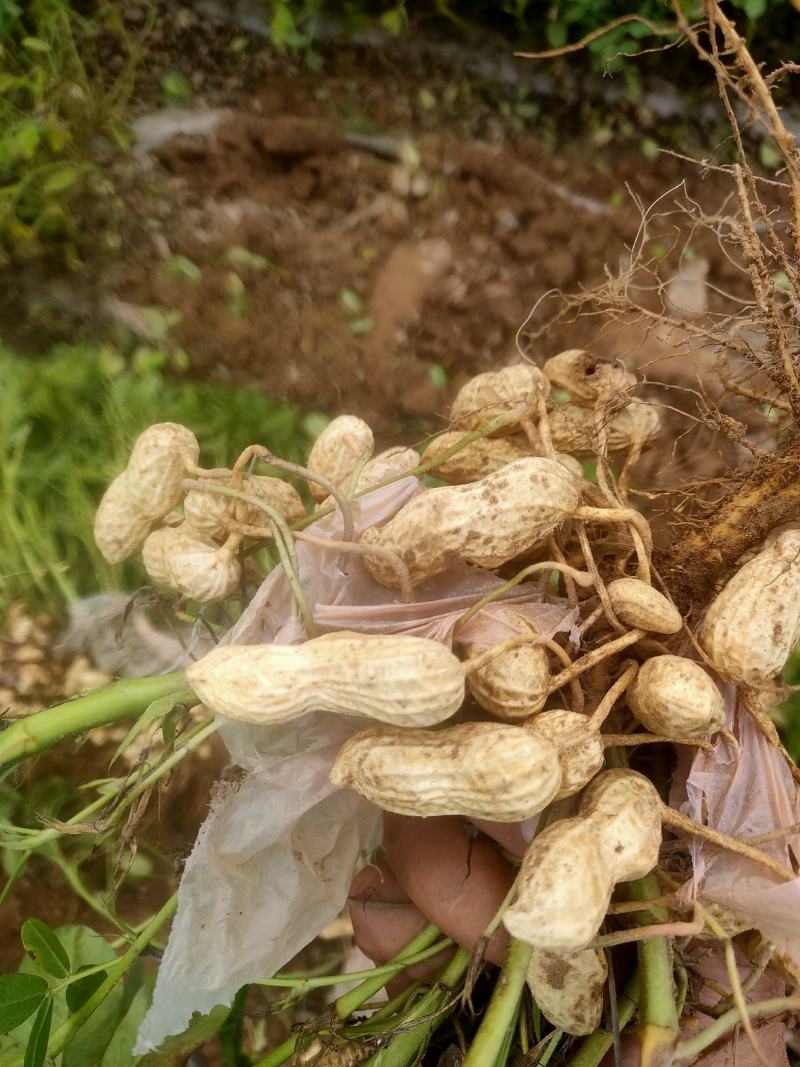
(67, 422)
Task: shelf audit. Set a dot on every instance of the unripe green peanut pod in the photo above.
(120, 528)
(753, 624)
(585, 378)
(476, 769)
(675, 697)
(568, 987)
(513, 392)
(486, 523)
(580, 750)
(643, 607)
(512, 685)
(159, 463)
(212, 513)
(406, 681)
(337, 450)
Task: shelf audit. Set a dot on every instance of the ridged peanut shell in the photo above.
(572, 428)
(337, 450)
(198, 568)
(476, 769)
(390, 463)
(158, 465)
(405, 681)
(754, 622)
(674, 696)
(625, 809)
(512, 392)
(568, 987)
(477, 459)
(212, 513)
(586, 378)
(120, 529)
(564, 888)
(641, 606)
(155, 555)
(580, 750)
(485, 523)
(514, 684)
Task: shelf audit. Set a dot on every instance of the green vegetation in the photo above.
(66, 426)
(56, 97)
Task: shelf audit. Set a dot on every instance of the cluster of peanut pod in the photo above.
(533, 714)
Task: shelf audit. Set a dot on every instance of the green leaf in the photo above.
(20, 996)
(159, 707)
(44, 946)
(79, 992)
(437, 374)
(359, 327)
(350, 301)
(36, 1049)
(61, 179)
(176, 88)
(35, 44)
(181, 267)
(119, 1052)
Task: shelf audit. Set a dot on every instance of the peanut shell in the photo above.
(625, 808)
(155, 555)
(754, 622)
(585, 378)
(406, 681)
(513, 392)
(640, 605)
(337, 450)
(564, 888)
(674, 696)
(484, 456)
(476, 769)
(212, 513)
(157, 466)
(580, 750)
(198, 568)
(572, 428)
(485, 523)
(568, 987)
(120, 529)
(514, 684)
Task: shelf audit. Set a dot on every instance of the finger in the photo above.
(456, 880)
(384, 921)
(509, 835)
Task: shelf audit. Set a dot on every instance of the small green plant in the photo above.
(66, 425)
(55, 97)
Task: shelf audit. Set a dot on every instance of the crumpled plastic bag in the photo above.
(274, 859)
(746, 792)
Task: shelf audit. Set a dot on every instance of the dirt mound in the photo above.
(374, 271)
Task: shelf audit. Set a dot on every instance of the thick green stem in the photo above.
(501, 1014)
(594, 1047)
(29, 736)
(658, 1018)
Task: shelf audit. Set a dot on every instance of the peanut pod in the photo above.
(568, 987)
(675, 697)
(407, 681)
(337, 450)
(586, 378)
(511, 392)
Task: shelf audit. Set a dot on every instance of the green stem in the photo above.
(29, 736)
(690, 1049)
(594, 1047)
(658, 1018)
(349, 1002)
(501, 1014)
